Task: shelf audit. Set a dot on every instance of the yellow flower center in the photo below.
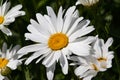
(95, 67)
(3, 63)
(101, 59)
(1, 19)
(58, 41)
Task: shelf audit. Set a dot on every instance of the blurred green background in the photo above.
(105, 16)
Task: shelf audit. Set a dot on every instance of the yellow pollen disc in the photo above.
(3, 63)
(1, 19)
(95, 67)
(101, 59)
(58, 41)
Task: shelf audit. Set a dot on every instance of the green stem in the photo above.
(27, 74)
(2, 37)
(117, 64)
(9, 77)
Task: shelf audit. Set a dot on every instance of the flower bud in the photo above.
(5, 71)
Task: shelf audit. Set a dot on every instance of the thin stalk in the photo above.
(27, 74)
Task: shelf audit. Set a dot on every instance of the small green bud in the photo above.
(5, 71)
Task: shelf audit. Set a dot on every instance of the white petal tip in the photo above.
(77, 3)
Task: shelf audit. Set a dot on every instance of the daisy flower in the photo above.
(56, 37)
(102, 53)
(86, 2)
(8, 16)
(99, 60)
(8, 60)
(88, 67)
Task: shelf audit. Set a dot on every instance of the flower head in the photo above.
(99, 60)
(8, 60)
(57, 37)
(86, 2)
(8, 16)
(102, 53)
(88, 67)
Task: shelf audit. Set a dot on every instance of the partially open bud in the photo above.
(5, 71)
(87, 2)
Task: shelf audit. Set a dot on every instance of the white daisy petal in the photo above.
(80, 60)
(56, 55)
(81, 70)
(66, 51)
(52, 15)
(68, 19)
(109, 64)
(1, 77)
(109, 42)
(14, 12)
(50, 72)
(35, 25)
(77, 3)
(44, 24)
(14, 51)
(53, 29)
(1, 26)
(64, 63)
(16, 48)
(5, 8)
(110, 56)
(80, 25)
(32, 57)
(70, 11)
(46, 54)
(84, 23)
(8, 20)
(33, 37)
(4, 47)
(74, 26)
(31, 48)
(47, 60)
(6, 31)
(33, 29)
(90, 73)
(59, 20)
(79, 49)
(74, 17)
(17, 7)
(74, 58)
(97, 48)
(88, 77)
(80, 33)
(13, 64)
(76, 14)
(36, 55)
(87, 40)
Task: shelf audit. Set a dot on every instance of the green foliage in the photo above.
(105, 16)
